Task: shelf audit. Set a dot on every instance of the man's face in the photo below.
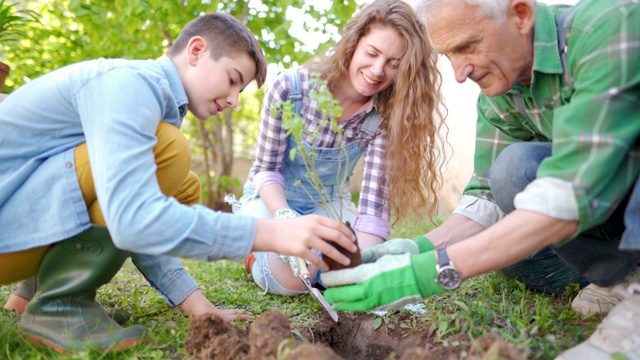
(213, 85)
(495, 56)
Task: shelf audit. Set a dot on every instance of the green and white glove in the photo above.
(389, 283)
(397, 246)
(290, 260)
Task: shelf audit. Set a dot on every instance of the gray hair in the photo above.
(496, 9)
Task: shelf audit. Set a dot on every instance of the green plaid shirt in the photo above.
(594, 128)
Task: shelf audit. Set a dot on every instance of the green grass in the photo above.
(543, 325)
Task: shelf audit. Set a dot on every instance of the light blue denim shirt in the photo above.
(114, 106)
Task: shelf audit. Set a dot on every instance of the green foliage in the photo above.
(284, 348)
(245, 121)
(13, 21)
(542, 324)
(70, 31)
(75, 30)
(294, 126)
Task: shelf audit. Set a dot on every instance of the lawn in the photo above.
(540, 325)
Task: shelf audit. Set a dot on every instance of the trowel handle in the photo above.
(304, 272)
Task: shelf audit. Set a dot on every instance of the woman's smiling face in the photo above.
(375, 61)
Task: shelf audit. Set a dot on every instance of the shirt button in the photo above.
(68, 165)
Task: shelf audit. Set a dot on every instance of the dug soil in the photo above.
(356, 336)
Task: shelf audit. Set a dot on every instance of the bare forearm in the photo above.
(456, 228)
(518, 235)
(274, 197)
(366, 240)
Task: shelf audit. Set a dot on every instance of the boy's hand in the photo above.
(297, 236)
(197, 304)
(388, 283)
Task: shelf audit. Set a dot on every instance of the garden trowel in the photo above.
(304, 276)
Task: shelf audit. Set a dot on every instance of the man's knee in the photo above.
(514, 164)
(514, 169)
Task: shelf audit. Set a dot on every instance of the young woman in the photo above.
(383, 74)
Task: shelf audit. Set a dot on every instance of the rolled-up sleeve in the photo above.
(120, 134)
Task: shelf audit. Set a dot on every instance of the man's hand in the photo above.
(390, 282)
(396, 246)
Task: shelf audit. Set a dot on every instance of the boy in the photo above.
(96, 145)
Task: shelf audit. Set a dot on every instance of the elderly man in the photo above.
(555, 195)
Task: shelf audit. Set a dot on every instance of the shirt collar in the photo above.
(175, 85)
(546, 56)
(370, 105)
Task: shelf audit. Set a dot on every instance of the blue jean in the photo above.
(594, 256)
(261, 271)
(332, 170)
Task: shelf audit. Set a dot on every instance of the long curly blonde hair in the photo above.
(411, 108)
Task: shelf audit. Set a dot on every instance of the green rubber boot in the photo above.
(64, 314)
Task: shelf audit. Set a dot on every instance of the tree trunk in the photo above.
(217, 145)
(4, 72)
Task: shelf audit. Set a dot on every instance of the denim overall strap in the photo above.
(331, 166)
(295, 91)
(370, 125)
(295, 96)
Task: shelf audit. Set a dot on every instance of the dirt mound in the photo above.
(461, 346)
(269, 336)
(357, 336)
(210, 338)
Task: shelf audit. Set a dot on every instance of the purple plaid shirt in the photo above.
(272, 145)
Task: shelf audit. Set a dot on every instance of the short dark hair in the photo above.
(225, 36)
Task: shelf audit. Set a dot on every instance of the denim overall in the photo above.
(333, 167)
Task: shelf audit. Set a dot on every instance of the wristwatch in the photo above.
(448, 274)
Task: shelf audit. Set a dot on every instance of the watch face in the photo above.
(449, 278)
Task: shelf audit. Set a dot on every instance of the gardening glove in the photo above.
(397, 246)
(389, 283)
(290, 260)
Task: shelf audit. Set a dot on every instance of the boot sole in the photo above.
(119, 346)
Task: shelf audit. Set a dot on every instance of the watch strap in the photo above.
(443, 258)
